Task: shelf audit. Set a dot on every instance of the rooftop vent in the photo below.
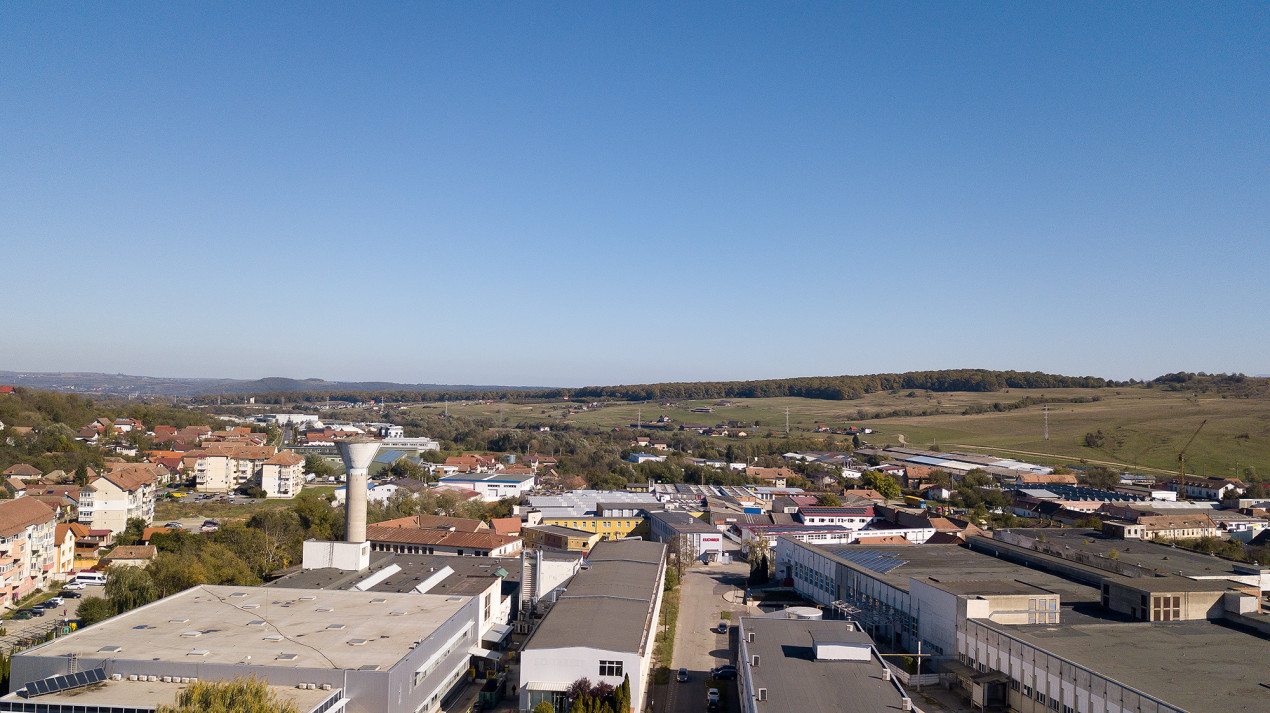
(288, 657)
(335, 626)
(110, 649)
(179, 620)
(325, 609)
(307, 598)
(273, 637)
(397, 612)
(379, 600)
(369, 667)
(357, 642)
(191, 634)
(256, 622)
(251, 606)
(198, 652)
(238, 594)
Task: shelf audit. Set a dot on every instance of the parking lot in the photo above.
(37, 627)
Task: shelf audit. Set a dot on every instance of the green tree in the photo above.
(240, 695)
(132, 532)
(829, 500)
(544, 707)
(887, 486)
(318, 466)
(129, 587)
(94, 609)
(1100, 477)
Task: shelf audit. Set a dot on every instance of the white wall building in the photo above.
(282, 476)
(492, 486)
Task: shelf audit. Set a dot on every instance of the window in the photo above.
(610, 668)
(1014, 685)
(1068, 709)
(1027, 691)
(1053, 704)
(1040, 697)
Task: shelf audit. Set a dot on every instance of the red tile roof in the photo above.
(17, 515)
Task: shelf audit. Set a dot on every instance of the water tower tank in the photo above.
(358, 453)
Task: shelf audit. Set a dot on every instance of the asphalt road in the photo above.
(706, 591)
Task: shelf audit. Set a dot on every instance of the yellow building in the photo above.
(608, 528)
(554, 537)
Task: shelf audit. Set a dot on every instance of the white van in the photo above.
(90, 578)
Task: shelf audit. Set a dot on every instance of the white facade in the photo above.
(492, 487)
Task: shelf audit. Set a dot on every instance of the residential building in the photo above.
(28, 548)
(1198, 488)
(778, 477)
(129, 556)
(282, 476)
(609, 528)
(813, 667)
(224, 467)
(111, 499)
(337, 650)
(23, 471)
(64, 542)
(602, 626)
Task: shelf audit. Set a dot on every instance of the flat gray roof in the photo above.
(682, 522)
(609, 604)
(795, 681)
(230, 623)
(1200, 666)
(954, 563)
(1143, 553)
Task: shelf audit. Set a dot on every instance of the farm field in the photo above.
(1142, 428)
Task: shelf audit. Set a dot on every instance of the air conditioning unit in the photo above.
(886, 673)
(906, 704)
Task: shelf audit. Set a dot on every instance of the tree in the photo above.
(829, 500)
(318, 466)
(883, 483)
(240, 695)
(132, 532)
(129, 587)
(544, 707)
(1099, 477)
(94, 609)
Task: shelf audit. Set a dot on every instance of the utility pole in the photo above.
(639, 418)
(1047, 422)
(787, 421)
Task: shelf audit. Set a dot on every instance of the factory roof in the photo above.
(608, 605)
(223, 625)
(470, 575)
(1148, 555)
(897, 564)
(795, 681)
(682, 522)
(497, 477)
(1208, 668)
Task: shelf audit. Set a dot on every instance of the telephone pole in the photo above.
(1047, 422)
(787, 421)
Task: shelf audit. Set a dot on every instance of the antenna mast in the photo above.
(1047, 422)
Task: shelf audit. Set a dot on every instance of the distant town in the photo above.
(326, 561)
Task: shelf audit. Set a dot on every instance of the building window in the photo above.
(1027, 691)
(610, 668)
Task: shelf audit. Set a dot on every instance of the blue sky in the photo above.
(570, 194)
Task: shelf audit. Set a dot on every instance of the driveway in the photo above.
(706, 591)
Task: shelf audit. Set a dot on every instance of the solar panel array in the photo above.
(55, 684)
(880, 562)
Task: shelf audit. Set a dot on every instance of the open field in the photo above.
(1143, 427)
(166, 510)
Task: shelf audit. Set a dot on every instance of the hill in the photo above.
(125, 384)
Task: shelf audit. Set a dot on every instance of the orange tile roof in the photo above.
(462, 524)
(17, 515)
(506, 525)
(285, 458)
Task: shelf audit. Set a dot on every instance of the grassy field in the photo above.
(166, 510)
(1143, 428)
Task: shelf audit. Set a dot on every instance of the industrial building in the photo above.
(698, 538)
(601, 627)
(813, 667)
(366, 651)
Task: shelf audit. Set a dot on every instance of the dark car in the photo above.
(723, 672)
(35, 611)
(23, 614)
(683, 675)
(71, 594)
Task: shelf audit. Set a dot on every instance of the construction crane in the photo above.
(1181, 455)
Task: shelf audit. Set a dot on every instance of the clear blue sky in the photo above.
(569, 194)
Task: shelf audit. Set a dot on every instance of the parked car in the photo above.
(74, 585)
(712, 699)
(69, 593)
(176, 525)
(683, 675)
(722, 628)
(23, 614)
(35, 611)
(54, 602)
(723, 672)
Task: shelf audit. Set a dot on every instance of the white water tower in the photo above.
(357, 452)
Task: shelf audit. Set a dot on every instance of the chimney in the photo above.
(357, 453)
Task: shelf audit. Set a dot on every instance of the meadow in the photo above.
(1142, 428)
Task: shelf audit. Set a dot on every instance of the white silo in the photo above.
(358, 452)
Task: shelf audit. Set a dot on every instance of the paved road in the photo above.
(706, 591)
